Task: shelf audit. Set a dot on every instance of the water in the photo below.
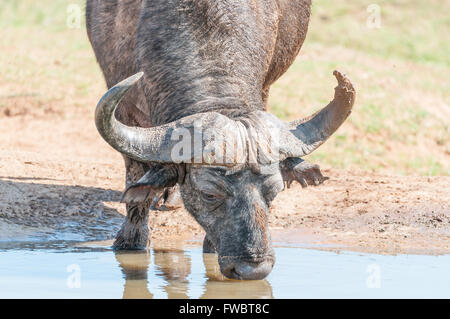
(61, 270)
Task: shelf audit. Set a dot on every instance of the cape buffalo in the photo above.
(198, 72)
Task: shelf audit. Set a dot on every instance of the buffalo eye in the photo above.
(210, 197)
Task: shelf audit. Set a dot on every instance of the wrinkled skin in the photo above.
(202, 56)
(238, 205)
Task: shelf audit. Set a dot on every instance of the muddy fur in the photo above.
(134, 232)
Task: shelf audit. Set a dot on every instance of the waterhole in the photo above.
(93, 270)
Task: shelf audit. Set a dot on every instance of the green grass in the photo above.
(409, 30)
(41, 54)
(51, 15)
(401, 118)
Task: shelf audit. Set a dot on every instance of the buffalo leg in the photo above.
(208, 247)
(134, 233)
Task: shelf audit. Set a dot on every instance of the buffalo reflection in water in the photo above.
(175, 267)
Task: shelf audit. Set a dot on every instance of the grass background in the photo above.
(400, 123)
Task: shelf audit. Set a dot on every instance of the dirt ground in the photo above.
(57, 174)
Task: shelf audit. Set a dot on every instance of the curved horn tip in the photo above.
(343, 81)
(131, 80)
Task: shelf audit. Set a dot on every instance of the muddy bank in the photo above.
(382, 214)
(59, 180)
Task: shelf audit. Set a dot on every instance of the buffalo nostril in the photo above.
(244, 269)
(230, 272)
(235, 274)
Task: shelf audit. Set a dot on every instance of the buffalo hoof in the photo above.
(140, 242)
(134, 233)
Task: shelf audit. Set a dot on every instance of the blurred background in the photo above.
(397, 54)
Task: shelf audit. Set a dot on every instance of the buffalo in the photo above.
(191, 116)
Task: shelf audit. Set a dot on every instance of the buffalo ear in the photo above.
(152, 184)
